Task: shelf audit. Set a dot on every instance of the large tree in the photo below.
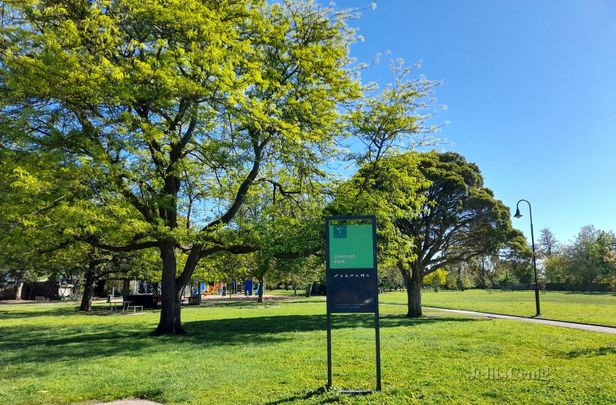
(460, 219)
(175, 107)
(434, 211)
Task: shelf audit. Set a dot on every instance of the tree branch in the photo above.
(243, 189)
(115, 248)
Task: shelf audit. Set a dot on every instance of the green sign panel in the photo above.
(351, 246)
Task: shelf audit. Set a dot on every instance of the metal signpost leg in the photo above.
(378, 350)
(329, 350)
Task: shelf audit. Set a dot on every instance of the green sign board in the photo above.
(351, 246)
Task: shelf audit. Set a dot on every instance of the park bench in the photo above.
(41, 300)
(126, 305)
(113, 301)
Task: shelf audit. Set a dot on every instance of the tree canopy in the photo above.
(174, 106)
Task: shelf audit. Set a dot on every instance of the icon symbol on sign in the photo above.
(340, 231)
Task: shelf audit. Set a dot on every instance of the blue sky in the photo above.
(530, 90)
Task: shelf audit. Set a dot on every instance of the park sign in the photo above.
(351, 269)
(351, 264)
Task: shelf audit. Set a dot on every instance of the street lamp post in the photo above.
(532, 239)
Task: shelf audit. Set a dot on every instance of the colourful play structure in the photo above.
(222, 289)
(219, 288)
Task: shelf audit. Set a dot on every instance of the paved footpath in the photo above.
(593, 328)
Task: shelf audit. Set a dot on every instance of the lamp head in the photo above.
(518, 214)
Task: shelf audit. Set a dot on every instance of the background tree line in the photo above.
(584, 264)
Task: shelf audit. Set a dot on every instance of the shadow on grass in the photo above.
(47, 344)
(592, 352)
(152, 394)
(301, 396)
(327, 397)
(33, 310)
(237, 328)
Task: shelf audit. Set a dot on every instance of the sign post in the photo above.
(352, 282)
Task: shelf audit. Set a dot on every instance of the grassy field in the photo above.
(597, 308)
(276, 354)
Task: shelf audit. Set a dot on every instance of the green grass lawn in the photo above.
(597, 308)
(276, 354)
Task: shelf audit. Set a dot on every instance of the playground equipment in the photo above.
(248, 287)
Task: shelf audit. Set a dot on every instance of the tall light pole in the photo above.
(532, 239)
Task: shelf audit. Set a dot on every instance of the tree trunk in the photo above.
(413, 293)
(88, 290)
(125, 289)
(170, 316)
(19, 285)
(412, 281)
(261, 288)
